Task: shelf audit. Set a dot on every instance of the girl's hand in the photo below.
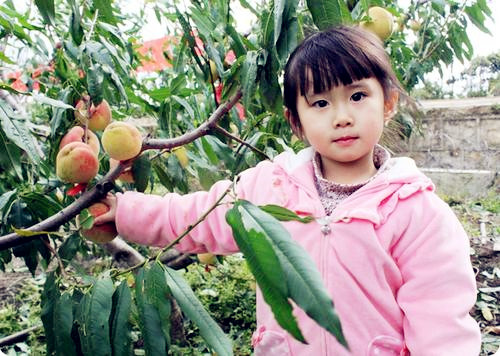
(109, 216)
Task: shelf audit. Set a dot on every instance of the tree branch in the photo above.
(202, 130)
(243, 143)
(106, 184)
(19, 336)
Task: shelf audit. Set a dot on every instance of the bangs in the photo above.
(327, 65)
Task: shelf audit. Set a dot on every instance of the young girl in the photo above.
(392, 255)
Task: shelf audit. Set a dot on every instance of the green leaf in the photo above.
(69, 247)
(149, 320)
(267, 28)
(41, 204)
(304, 282)
(85, 219)
(203, 23)
(217, 151)
(95, 79)
(75, 27)
(209, 151)
(476, 16)
(42, 99)
(7, 198)
(141, 171)
(95, 311)
(283, 214)
(105, 11)
(249, 77)
(116, 81)
(163, 176)
(279, 7)
(265, 266)
(50, 296)
(176, 173)
(188, 35)
(269, 87)
(27, 233)
(47, 10)
(194, 310)
(59, 114)
(160, 94)
(288, 39)
(157, 293)
(19, 134)
(121, 342)
(327, 13)
(237, 44)
(6, 59)
(10, 159)
(63, 322)
(186, 106)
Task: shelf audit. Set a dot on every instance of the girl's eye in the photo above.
(358, 96)
(320, 103)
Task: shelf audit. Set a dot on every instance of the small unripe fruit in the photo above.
(182, 156)
(381, 22)
(213, 70)
(415, 25)
(100, 233)
(76, 162)
(76, 134)
(207, 258)
(121, 141)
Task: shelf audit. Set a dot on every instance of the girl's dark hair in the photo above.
(339, 55)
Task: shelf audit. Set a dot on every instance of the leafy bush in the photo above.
(228, 292)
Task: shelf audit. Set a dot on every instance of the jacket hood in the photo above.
(375, 200)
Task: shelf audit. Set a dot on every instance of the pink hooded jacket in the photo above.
(393, 257)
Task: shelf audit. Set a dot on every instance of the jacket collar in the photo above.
(372, 202)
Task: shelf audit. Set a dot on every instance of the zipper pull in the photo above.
(325, 225)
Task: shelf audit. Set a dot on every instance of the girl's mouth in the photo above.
(345, 141)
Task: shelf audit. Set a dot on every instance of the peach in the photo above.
(100, 116)
(207, 258)
(97, 119)
(122, 141)
(76, 162)
(381, 22)
(76, 134)
(101, 233)
(126, 176)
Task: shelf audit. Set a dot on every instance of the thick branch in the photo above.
(18, 337)
(123, 252)
(106, 184)
(202, 130)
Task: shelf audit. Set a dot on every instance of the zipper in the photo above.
(325, 231)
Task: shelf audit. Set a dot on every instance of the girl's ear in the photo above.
(287, 114)
(293, 123)
(390, 105)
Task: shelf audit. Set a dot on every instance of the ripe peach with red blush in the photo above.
(76, 162)
(101, 233)
(77, 134)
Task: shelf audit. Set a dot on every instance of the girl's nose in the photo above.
(342, 118)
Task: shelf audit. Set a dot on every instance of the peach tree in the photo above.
(213, 109)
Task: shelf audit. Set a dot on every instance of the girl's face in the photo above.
(343, 125)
